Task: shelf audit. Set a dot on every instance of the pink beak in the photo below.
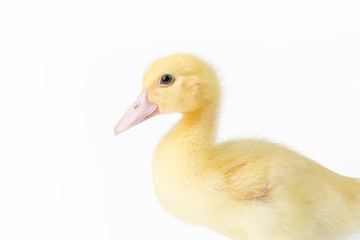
(139, 111)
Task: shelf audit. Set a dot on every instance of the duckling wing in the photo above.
(246, 181)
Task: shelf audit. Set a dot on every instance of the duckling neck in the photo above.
(178, 163)
(196, 129)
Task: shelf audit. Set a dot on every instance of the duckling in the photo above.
(243, 189)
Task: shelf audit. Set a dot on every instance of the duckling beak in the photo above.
(139, 111)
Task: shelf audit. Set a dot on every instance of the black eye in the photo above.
(166, 79)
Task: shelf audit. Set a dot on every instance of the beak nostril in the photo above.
(136, 106)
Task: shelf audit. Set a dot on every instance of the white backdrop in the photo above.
(69, 69)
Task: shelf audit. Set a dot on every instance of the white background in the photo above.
(69, 69)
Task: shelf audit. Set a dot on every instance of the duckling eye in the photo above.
(166, 80)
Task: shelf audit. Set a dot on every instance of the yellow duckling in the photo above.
(244, 189)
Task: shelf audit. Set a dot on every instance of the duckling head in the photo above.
(178, 83)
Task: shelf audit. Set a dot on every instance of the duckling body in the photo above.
(252, 189)
(244, 189)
